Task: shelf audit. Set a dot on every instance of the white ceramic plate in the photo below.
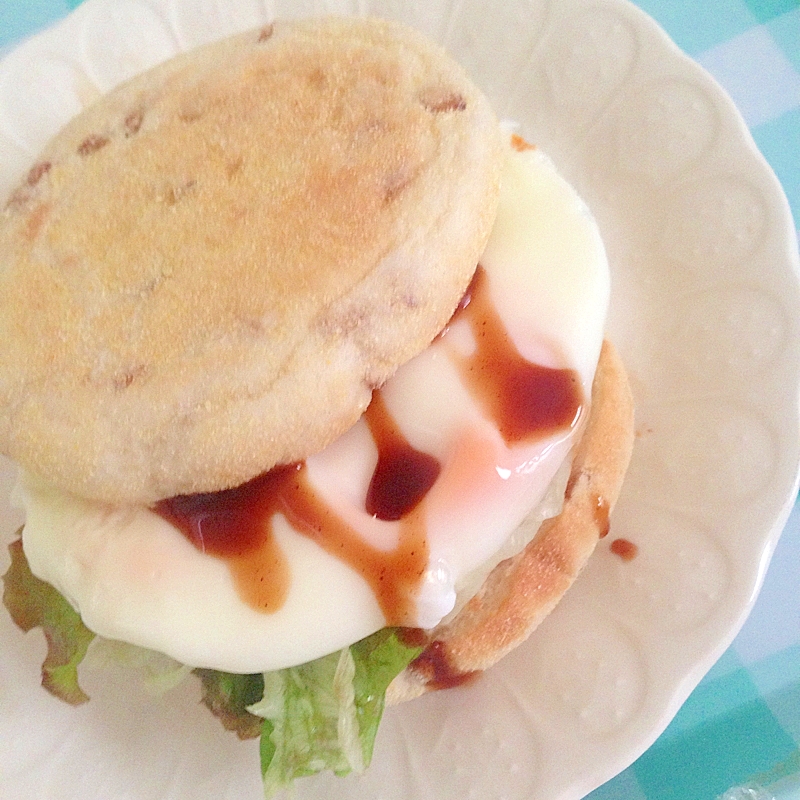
(704, 310)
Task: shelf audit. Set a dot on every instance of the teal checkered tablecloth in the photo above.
(742, 723)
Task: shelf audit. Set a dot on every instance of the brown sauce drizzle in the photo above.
(626, 550)
(434, 666)
(235, 525)
(520, 144)
(413, 637)
(601, 514)
(403, 475)
(524, 399)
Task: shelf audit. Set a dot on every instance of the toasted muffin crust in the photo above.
(207, 272)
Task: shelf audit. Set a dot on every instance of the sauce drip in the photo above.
(437, 670)
(520, 145)
(626, 550)
(601, 514)
(403, 475)
(525, 400)
(236, 525)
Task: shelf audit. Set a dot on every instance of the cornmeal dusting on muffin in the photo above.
(153, 372)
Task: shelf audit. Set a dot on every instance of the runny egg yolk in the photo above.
(473, 431)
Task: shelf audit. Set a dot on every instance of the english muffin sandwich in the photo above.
(303, 366)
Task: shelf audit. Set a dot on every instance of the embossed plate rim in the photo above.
(549, 757)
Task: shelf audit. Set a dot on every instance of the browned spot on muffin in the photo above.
(36, 218)
(234, 167)
(340, 322)
(395, 183)
(190, 113)
(318, 79)
(266, 33)
(173, 194)
(37, 172)
(133, 122)
(19, 199)
(123, 380)
(439, 101)
(91, 144)
(23, 194)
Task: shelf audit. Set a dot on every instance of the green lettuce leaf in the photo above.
(379, 659)
(324, 715)
(33, 603)
(227, 696)
(159, 672)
